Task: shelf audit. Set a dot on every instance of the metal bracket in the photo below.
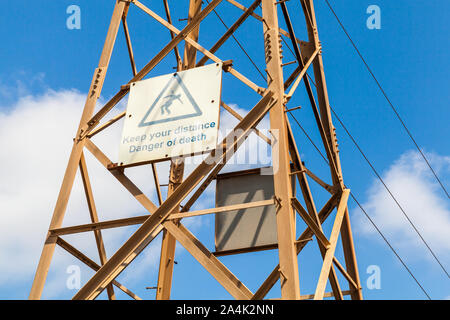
(292, 109)
(277, 202)
(227, 65)
(282, 275)
(297, 172)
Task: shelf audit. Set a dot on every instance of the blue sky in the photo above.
(45, 71)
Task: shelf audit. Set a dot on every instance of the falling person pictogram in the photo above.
(162, 110)
(170, 98)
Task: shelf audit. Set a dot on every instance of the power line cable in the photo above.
(390, 246)
(365, 213)
(259, 71)
(239, 44)
(306, 80)
(387, 98)
(327, 162)
(384, 184)
(307, 136)
(389, 191)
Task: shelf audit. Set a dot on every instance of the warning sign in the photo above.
(172, 115)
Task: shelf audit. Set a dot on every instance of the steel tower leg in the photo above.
(75, 156)
(290, 286)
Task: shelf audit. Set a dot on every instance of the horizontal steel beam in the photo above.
(140, 219)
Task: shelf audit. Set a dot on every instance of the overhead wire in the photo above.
(394, 109)
(383, 183)
(390, 192)
(365, 212)
(354, 141)
(239, 44)
(372, 166)
(284, 7)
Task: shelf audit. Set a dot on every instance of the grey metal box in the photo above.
(246, 229)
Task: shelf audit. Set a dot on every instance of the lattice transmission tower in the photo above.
(287, 204)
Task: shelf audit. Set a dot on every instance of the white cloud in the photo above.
(35, 139)
(36, 133)
(412, 183)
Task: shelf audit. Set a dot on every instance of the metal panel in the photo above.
(245, 229)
